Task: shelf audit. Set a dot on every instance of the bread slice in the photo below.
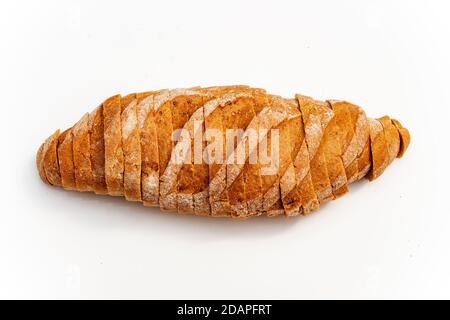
(244, 182)
(245, 173)
(164, 129)
(305, 184)
(379, 149)
(114, 166)
(40, 163)
(304, 190)
(186, 113)
(270, 187)
(298, 193)
(359, 141)
(345, 134)
(252, 167)
(405, 138)
(168, 166)
(82, 155)
(50, 160)
(272, 200)
(236, 117)
(146, 116)
(287, 137)
(293, 176)
(270, 179)
(359, 144)
(97, 151)
(65, 159)
(216, 149)
(200, 175)
(392, 137)
(216, 154)
(359, 138)
(288, 182)
(365, 161)
(332, 149)
(131, 145)
(273, 170)
(44, 157)
(314, 121)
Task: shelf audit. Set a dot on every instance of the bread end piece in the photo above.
(405, 137)
(47, 160)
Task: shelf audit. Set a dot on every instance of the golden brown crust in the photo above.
(81, 155)
(237, 116)
(305, 187)
(345, 121)
(65, 158)
(97, 151)
(200, 173)
(315, 120)
(379, 149)
(113, 145)
(40, 164)
(172, 155)
(164, 129)
(287, 173)
(131, 145)
(365, 161)
(44, 157)
(270, 189)
(215, 112)
(216, 150)
(252, 167)
(126, 147)
(201, 177)
(333, 152)
(186, 113)
(50, 160)
(149, 150)
(405, 138)
(392, 137)
(288, 181)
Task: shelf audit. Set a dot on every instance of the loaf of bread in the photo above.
(231, 151)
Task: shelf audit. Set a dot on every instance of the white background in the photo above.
(386, 239)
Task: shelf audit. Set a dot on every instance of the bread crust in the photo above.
(218, 193)
(50, 160)
(333, 152)
(186, 113)
(237, 116)
(146, 117)
(392, 138)
(40, 164)
(82, 155)
(44, 158)
(379, 149)
(168, 166)
(314, 121)
(252, 167)
(365, 161)
(305, 184)
(65, 159)
(129, 146)
(287, 174)
(97, 151)
(405, 137)
(345, 121)
(113, 145)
